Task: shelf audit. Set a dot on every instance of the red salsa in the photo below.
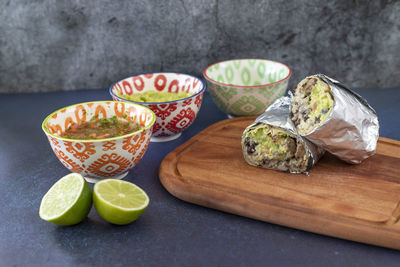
(100, 128)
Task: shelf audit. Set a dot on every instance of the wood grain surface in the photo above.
(355, 202)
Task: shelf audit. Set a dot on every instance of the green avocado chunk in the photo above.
(312, 104)
(275, 148)
(321, 101)
(154, 96)
(272, 142)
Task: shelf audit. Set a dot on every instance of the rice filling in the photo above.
(312, 104)
(271, 147)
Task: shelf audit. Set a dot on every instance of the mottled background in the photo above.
(68, 45)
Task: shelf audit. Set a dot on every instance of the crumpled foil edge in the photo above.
(277, 115)
(346, 117)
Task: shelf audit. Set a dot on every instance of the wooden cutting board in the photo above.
(355, 202)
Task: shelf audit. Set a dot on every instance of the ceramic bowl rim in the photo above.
(152, 103)
(45, 130)
(246, 86)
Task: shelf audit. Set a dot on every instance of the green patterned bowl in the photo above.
(244, 87)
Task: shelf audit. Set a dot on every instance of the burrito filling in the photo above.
(312, 104)
(274, 148)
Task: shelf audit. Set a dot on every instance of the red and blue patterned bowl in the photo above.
(99, 158)
(171, 117)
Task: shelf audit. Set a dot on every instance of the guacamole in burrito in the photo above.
(271, 147)
(312, 104)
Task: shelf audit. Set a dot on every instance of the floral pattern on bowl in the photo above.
(99, 158)
(172, 117)
(245, 87)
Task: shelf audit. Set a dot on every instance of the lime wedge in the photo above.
(67, 202)
(119, 202)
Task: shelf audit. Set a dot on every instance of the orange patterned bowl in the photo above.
(97, 159)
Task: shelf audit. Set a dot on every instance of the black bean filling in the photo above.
(251, 146)
(304, 112)
(294, 155)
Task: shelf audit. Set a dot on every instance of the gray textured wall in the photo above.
(66, 45)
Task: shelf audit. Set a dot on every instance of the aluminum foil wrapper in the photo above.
(277, 115)
(351, 131)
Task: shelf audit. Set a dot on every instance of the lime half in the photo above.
(67, 202)
(119, 202)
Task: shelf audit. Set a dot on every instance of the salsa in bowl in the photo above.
(100, 139)
(96, 128)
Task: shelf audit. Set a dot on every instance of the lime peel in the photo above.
(67, 202)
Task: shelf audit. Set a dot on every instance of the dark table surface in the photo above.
(171, 231)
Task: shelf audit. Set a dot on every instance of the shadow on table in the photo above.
(95, 240)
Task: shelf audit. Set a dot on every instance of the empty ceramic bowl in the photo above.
(172, 117)
(97, 159)
(243, 87)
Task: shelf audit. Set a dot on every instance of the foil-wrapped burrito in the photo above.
(272, 142)
(335, 118)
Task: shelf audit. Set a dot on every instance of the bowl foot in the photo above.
(165, 138)
(94, 180)
(230, 116)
